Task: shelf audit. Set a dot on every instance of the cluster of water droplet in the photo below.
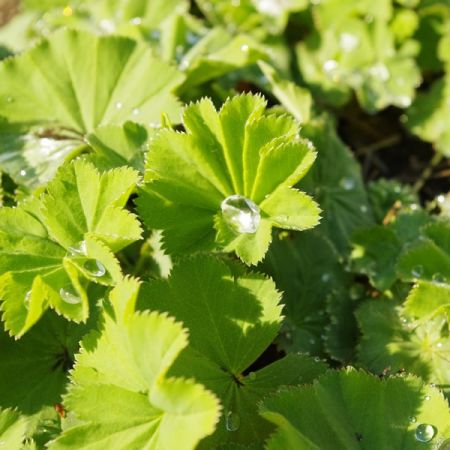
(241, 214)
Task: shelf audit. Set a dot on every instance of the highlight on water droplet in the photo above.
(232, 421)
(439, 345)
(427, 397)
(412, 419)
(348, 41)
(23, 173)
(244, 48)
(136, 21)
(241, 214)
(94, 268)
(330, 66)
(69, 295)
(347, 183)
(119, 105)
(425, 432)
(252, 376)
(26, 300)
(417, 271)
(135, 111)
(326, 277)
(78, 250)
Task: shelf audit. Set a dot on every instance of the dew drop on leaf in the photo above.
(244, 48)
(425, 432)
(23, 173)
(438, 278)
(252, 376)
(439, 345)
(427, 397)
(119, 105)
(26, 300)
(94, 268)
(135, 111)
(69, 295)
(78, 250)
(326, 277)
(241, 214)
(136, 20)
(232, 421)
(412, 419)
(347, 183)
(417, 271)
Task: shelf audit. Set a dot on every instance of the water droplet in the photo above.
(312, 341)
(241, 214)
(317, 359)
(26, 300)
(438, 278)
(108, 26)
(417, 271)
(94, 268)
(325, 277)
(136, 20)
(9, 99)
(23, 173)
(135, 111)
(427, 397)
(78, 250)
(425, 432)
(232, 421)
(412, 419)
(348, 41)
(347, 183)
(355, 291)
(244, 48)
(330, 66)
(363, 208)
(440, 199)
(155, 35)
(252, 376)
(380, 71)
(192, 38)
(272, 8)
(439, 345)
(119, 105)
(184, 64)
(69, 295)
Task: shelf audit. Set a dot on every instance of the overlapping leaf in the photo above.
(231, 321)
(93, 81)
(359, 411)
(236, 151)
(51, 247)
(120, 391)
(12, 429)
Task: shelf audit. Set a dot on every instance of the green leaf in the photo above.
(121, 393)
(12, 429)
(357, 410)
(240, 317)
(306, 268)
(392, 341)
(119, 145)
(48, 261)
(94, 81)
(227, 156)
(34, 369)
(295, 99)
(428, 298)
(427, 117)
(336, 181)
(81, 200)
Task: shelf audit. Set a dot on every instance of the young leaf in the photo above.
(48, 252)
(80, 200)
(231, 321)
(357, 410)
(94, 81)
(12, 429)
(392, 341)
(222, 173)
(121, 393)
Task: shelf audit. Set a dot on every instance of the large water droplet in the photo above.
(78, 250)
(26, 300)
(94, 268)
(241, 214)
(425, 432)
(69, 295)
(417, 271)
(232, 421)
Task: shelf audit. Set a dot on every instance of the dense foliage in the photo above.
(190, 254)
